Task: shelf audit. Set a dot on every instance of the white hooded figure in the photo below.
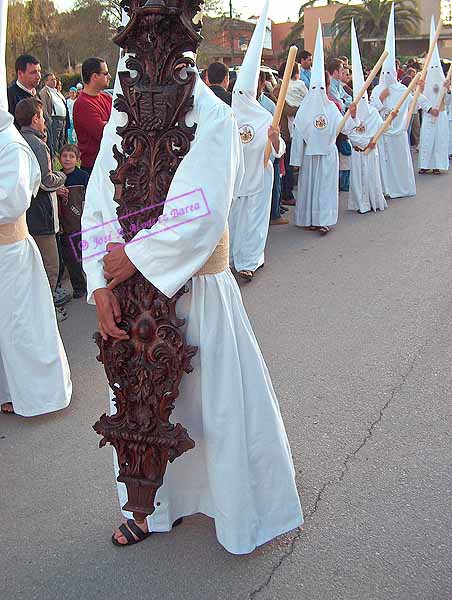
(240, 472)
(396, 164)
(434, 140)
(449, 116)
(366, 193)
(250, 212)
(34, 372)
(314, 151)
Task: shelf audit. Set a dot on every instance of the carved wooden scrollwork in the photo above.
(145, 371)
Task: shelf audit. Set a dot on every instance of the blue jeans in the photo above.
(276, 194)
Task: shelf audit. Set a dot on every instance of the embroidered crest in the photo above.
(320, 122)
(246, 134)
(361, 128)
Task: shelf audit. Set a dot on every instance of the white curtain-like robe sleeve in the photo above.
(19, 175)
(282, 149)
(173, 250)
(424, 104)
(375, 99)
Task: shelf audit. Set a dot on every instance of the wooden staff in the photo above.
(443, 91)
(282, 97)
(393, 114)
(427, 61)
(363, 90)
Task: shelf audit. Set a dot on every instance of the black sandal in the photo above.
(132, 528)
(324, 230)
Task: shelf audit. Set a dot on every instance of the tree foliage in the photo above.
(61, 41)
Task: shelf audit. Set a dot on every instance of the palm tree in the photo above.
(372, 16)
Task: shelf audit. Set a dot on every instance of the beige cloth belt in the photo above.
(10, 233)
(219, 260)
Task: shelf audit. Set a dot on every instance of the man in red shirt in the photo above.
(92, 110)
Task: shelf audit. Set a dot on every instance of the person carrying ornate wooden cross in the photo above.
(174, 336)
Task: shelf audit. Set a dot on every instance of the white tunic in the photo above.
(434, 141)
(241, 472)
(449, 116)
(365, 182)
(396, 164)
(34, 372)
(317, 193)
(249, 221)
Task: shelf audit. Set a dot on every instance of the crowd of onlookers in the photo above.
(65, 131)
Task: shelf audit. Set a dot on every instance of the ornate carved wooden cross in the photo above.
(145, 372)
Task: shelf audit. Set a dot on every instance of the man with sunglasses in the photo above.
(92, 110)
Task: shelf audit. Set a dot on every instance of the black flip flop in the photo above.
(7, 412)
(141, 535)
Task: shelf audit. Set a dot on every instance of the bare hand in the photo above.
(273, 136)
(108, 315)
(117, 265)
(63, 193)
(394, 114)
(447, 85)
(384, 94)
(434, 112)
(421, 84)
(353, 110)
(371, 146)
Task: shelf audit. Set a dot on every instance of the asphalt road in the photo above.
(356, 332)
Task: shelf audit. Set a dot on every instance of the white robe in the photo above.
(317, 193)
(396, 163)
(449, 116)
(249, 221)
(34, 372)
(241, 472)
(366, 192)
(434, 140)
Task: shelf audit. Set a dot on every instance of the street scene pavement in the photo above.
(356, 330)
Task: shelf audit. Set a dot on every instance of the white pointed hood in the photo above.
(5, 118)
(388, 74)
(435, 75)
(252, 118)
(368, 117)
(316, 121)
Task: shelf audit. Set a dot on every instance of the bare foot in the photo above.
(7, 407)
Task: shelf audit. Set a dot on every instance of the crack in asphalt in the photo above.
(344, 470)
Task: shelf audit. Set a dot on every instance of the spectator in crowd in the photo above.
(42, 216)
(218, 76)
(203, 75)
(335, 69)
(346, 79)
(92, 110)
(71, 199)
(56, 113)
(345, 62)
(79, 87)
(400, 71)
(70, 101)
(408, 76)
(305, 59)
(28, 76)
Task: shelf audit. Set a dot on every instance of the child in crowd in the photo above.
(71, 200)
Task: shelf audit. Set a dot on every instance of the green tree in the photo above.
(372, 16)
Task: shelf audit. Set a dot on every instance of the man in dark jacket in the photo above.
(28, 76)
(218, 75)
(42, 216)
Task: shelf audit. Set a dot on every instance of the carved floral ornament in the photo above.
(145, 371)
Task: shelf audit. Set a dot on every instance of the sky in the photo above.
(280, 10)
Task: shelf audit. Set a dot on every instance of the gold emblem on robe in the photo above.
(246, 134)
(361, 128)
(320, 122)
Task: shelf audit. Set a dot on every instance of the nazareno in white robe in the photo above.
(317, 194)
(434, 140)
(449, 116)
(34, 371)
(249, 220)
(366, 192)
(396, 163)
(241, 472)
